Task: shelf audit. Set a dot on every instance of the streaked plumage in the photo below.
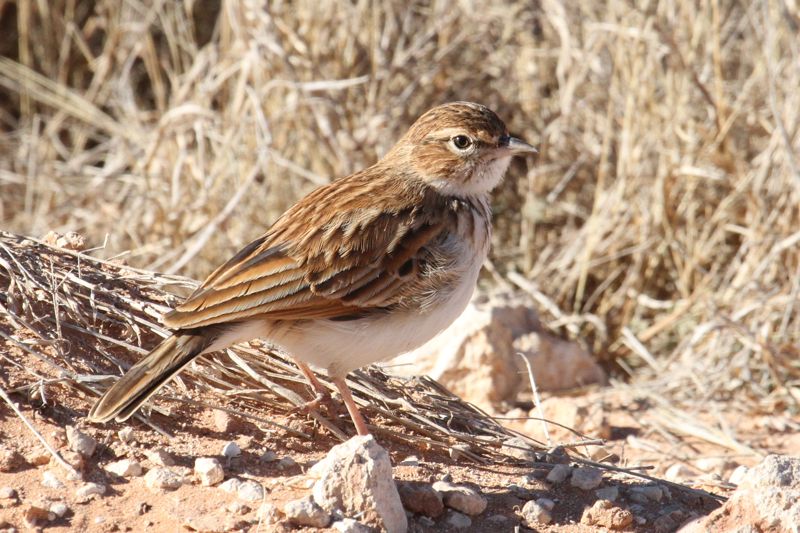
(359, 271)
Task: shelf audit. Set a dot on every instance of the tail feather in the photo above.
(144, 378)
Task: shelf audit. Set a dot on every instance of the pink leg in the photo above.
(322, 396)
(352, 408)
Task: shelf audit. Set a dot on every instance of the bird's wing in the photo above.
(322, 259)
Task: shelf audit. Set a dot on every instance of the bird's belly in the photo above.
(341, 346)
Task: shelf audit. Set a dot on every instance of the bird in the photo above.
(360, 270)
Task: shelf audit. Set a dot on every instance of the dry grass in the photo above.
(659, 225)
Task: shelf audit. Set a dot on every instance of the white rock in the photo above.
(125, 468)
(231, 450)
(646, 493)
(519, 448)
(231, 485)
(285, 463)
(306, 512)
(546, 503)
(678, 472)
(268, 457)
(356, 478)
(461, 498)
(559, 474)
(126, 435)
(608, 493)
(250, 491)
(160, 457)
(586, 478)
(80, 442)
(535, 514)
(457, 520)
(87, 490)
(208, 471)
(738, 475)
(268, 514)
(59, 509)
(348, 525)
(162, 478)
(50, 480)
(7, 493)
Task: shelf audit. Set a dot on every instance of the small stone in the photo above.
(461, 498)
(604, 514)
(231, 450)
(238, 508)
(74, 459)
(420, 498)
(222, 421)
(208, 470)
(559, 473)
(231, 485)
(411, 460)
(348, 525)
(87, 490)
(250, 491)
(59, 436)
(59, 509)
(738, 475)
(160, 457)
(50, 480)
(547, 503)
(7, 493)
(586, 478)
(162, 479)
(519, 448)
(125, 468)
(126, 435)
(646, 493)
(679, 472)
(285, 463)
(268, 514)
(268, 457)
(34, 515)
(10, 460)
(608, 493)
(457, 520)
(669, 522)
(535, 514)
(305, 512)
(80, 442)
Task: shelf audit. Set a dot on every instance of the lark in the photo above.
(371, 266)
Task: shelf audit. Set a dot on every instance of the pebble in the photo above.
(461, 498)
(535, 514)
(232, 485)
(38, 457)
(80, 442)
(59, 509)
(286, 463)
(74, 459)
(87, 490)
(162, 478)
(268, 457)
(608, 493)
(35, 514)
(222, 421)
(126, 435)
(238, 508)
(231, 450)
(586, 478)
(208, 470)
(250, 491)
(50, 480)
(7, 493)
(559, 473)
(125, 468)
(268, 514)
(348, 525)
(421, 498)
(646, 493)
(305, 512)
(160, 457)
(411, 460)
(678, 472)
(458, 520)
(738, 475)
(519, 448)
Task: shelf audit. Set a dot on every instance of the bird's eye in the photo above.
(462, 142)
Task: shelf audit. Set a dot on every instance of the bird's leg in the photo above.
(352, 408)
(323, 396)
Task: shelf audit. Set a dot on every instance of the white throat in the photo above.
(483, 180)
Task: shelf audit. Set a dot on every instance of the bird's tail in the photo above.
(144, 378)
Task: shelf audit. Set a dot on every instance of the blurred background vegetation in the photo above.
(660, 225)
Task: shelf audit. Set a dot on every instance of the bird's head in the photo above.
(460, 148)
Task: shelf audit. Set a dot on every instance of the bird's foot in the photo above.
(321, 398)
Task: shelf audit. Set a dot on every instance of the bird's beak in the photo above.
(517, 146)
